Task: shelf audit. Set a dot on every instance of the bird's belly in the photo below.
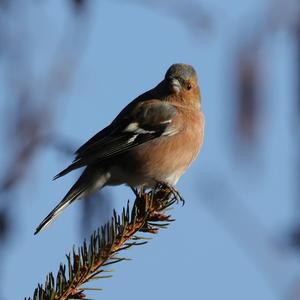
(161, 160)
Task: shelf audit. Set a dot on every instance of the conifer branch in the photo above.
(88, 262)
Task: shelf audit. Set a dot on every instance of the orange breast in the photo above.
(167, 158)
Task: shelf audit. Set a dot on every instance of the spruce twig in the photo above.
(88, 261)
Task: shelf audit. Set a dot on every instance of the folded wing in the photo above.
(148, 120)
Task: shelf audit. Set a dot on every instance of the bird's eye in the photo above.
(189, 86)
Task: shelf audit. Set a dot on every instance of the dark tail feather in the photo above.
(72, 195)
(89, 181)
(70, 168)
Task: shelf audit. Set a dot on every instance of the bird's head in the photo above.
(181, 80)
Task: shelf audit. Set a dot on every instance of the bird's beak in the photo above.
(175, 85)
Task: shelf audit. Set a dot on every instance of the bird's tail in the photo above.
(88, 182)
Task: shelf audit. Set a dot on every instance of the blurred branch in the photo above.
(79, 5)
(191, 13)
(247, 90)
(85, 264)
(32, 93)
(34, 99)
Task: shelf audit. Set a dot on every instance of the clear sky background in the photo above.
(228, 241)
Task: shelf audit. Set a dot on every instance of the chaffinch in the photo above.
(154, 139)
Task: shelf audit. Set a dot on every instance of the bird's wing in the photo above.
(148, 120)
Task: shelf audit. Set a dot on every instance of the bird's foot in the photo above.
(161, 186)
(172, 190)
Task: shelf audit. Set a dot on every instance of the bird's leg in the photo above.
(138, 192)
(135, 191)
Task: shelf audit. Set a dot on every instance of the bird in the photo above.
(154, 139)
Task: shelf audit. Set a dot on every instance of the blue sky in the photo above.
(203, 255)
